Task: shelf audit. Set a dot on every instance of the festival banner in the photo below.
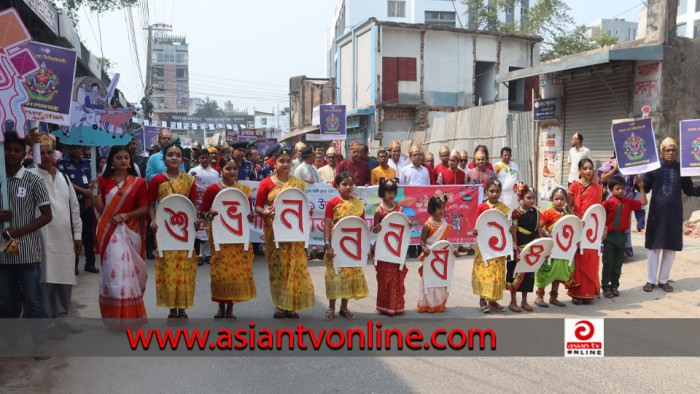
(690, 147)
(333, 122)
(264, 144)
(175, 217)
(635, 146)
(51, 87)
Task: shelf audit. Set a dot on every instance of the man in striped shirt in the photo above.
(26, 194)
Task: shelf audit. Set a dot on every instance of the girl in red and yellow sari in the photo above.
(350, 282)
(290, 282)
(231, 266)
(583, 193)
(434, 230)
(489, 277)
(175, 272)
(121, 230)
(390, 279)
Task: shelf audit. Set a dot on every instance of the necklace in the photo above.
(224, 186)
(120, 186)
(168, 176)
(434, 223)
(562, 212)
(387, 208)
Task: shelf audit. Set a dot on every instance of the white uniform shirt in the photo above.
(411, 175)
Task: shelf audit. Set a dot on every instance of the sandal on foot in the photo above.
(279, 313)
(648, 287)
(346, 314)
(554, 301)
(577, 301)
(514, 308)
(291, 314)
(220, 313)
(182, 315)
(587, 302)
(542, 304)
(497, 307)
(329, 315)
(615, 293)
(229, 312)
(608, 293)
(527, 307)
(485, 309)
(666, 287)
(172, 318)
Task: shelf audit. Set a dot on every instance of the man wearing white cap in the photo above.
(329, 171)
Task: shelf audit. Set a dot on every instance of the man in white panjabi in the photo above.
(330, 170)
(305, 170)
(395, 161)
(61, 241)
(509, 174)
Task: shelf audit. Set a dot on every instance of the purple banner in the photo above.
(50, 88)
(635, 146)
(690, 147)
(333, 122)
(248, 138)
(264, 144)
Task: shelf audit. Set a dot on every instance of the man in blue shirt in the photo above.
(246, 169)
(77, 169)
(155, 162)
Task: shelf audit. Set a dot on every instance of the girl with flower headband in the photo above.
(390, 279)
(526, 218)
(553, 271)
(232, 265)
(350, 282)
(290, 283)
(583, 193)
(488, 277)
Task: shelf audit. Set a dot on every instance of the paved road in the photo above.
(354, 374)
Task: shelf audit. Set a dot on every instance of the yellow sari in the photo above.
(350, 283)
(175, 272)
(232, 266)
(490, 282)
(290, 282)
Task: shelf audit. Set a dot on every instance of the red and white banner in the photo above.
(292, 222)
(231, 225)
(175, 217)
(494, 237)
(393, 239)
(350, 242)
(566, 234)
(534, 255)
(593, 228)
(439, 266)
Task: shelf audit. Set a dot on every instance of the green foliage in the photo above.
(71, 7)
(107, 65)
(576, 41)
(544, 18)
(209, 109)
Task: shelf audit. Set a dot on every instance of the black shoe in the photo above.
(200, 262)
(150, 256)
(76, 271)
(92, 269)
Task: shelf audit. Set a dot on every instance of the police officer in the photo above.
(246, 169)
(77, 169)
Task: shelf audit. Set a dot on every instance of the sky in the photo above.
(246, 51)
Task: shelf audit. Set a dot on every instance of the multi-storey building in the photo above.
(169, 72)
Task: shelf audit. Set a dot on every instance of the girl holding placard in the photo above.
(554, 271)
(390, 278)
(175, 272)
(434, 230)
(583, 193)
(527, 220)
(231, 266)
(290, 283)
(350, 282)
(488, 277)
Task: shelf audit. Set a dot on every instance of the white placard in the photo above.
(393, 239)
(594, 226)
(439, 266)
(292, 222)
(494, 237)
(175, 217)
(350, 242)
(231, 225)
(534, 254)
(566, 234)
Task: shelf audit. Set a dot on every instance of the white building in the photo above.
(278, 124)
(350, 13)
(620, 28)
(688, 19)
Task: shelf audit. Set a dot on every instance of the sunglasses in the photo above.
(463, 160)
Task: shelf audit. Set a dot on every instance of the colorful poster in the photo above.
(545, 109)
(550, 160)
(264, 144)
(690, 147)
(635, 146)
(333, 122)
(50, 88)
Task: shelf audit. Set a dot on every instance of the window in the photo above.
(696, 29)
(396, 9)
(181, 72)
(440, 18)
(160, 72)
(407, 69)
(697, 5)
(681, 29)
(682, 7)
(264, 121)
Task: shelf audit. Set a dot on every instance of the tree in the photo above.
(71, 7)
(209, 109)
(545, 18)
(576, 41)
(107, 65)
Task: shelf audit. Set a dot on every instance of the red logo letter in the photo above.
(177, 219)
(356, 240)
(568, 233)
(441, 257)
(296, 212)
(592, 233)
(536, 252)
(233, 213)
(584, 333)
(493, 241)
(398, 236)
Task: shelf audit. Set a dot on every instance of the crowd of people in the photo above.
(58, 210)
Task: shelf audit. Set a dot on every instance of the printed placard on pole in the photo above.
(690, 147)
(292, 222)
(494, 236)
(231, 225)
(175, 217)
(566, 234)
(534, 255)
(593, 228)
(635, 146)
(350, 242)
(393, 239)
(333, 126)
(438, 267)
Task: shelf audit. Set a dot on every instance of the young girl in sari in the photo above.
(175, 272)
(554, 271)
(231, 266)
(527, 220)
(350, 282)
(122, 204)
(583, 193)
(290, 282)
(390, 279)
(488, 277)
(434, 230)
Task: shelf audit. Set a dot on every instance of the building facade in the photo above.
(624, 30)
(688, 19)
(169, 73)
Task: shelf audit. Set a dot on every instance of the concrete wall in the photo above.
(345, 75)
(403, 43)
(448, 69)
(363, 70)
(304, 95)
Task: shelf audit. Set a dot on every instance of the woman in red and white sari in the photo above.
(122, 204)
